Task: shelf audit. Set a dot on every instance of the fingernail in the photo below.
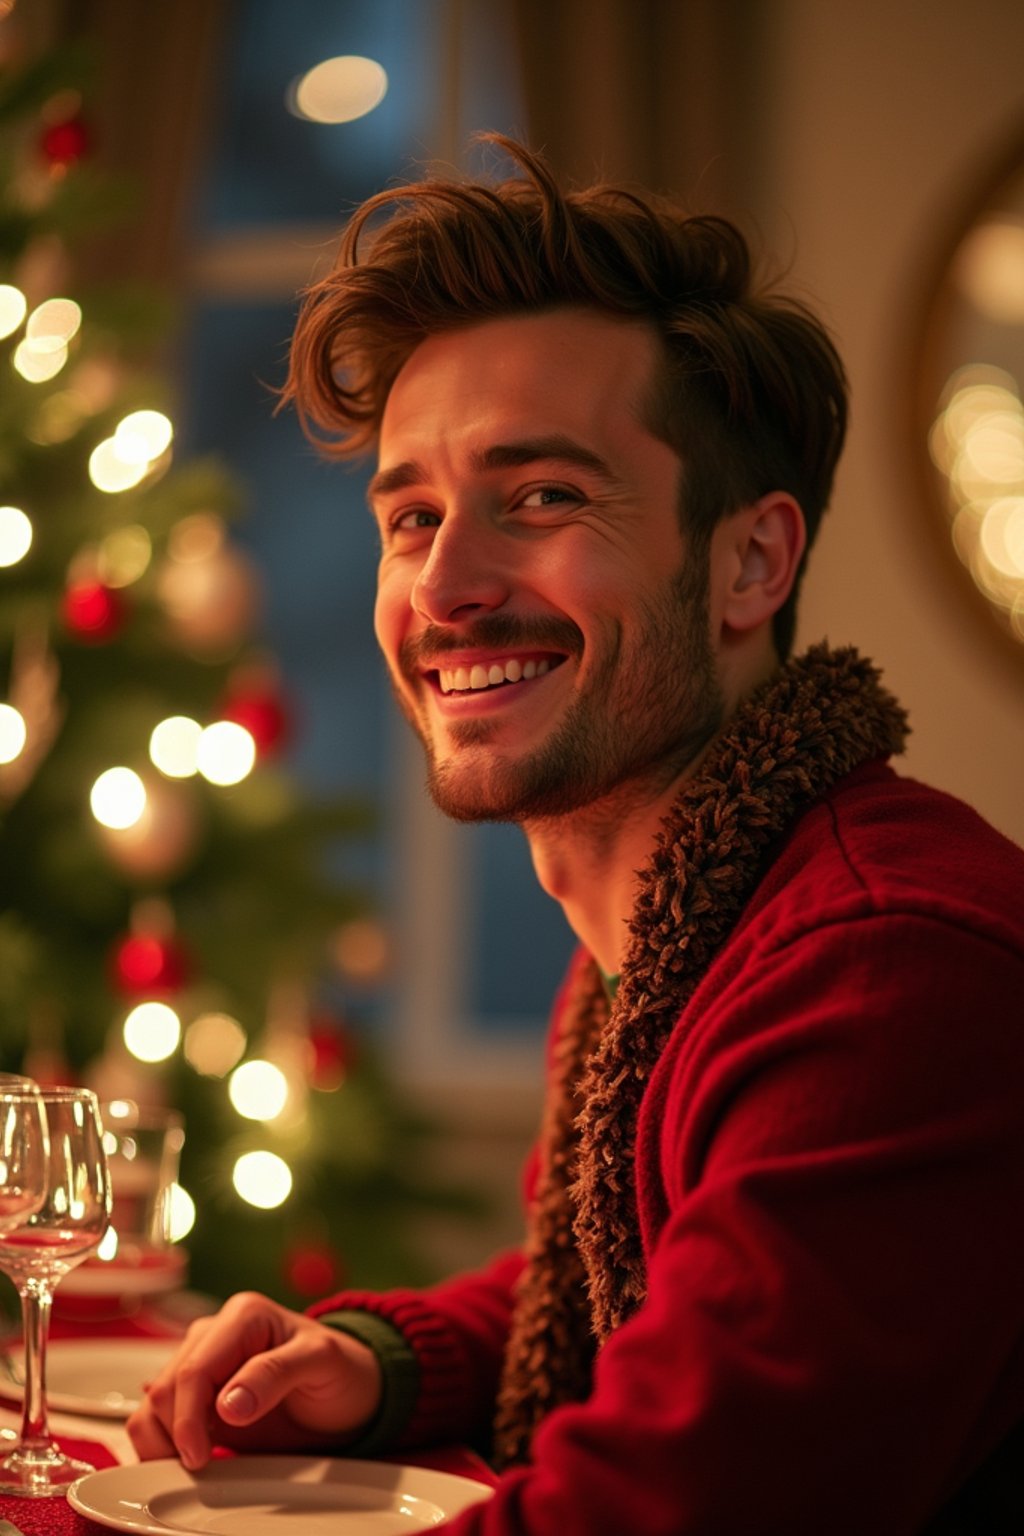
(239, 1401)
(190, 1458)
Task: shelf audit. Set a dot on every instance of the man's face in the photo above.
(544, 622)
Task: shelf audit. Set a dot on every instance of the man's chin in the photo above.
(468, 793)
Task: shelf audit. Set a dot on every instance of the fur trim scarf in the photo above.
(818, 718)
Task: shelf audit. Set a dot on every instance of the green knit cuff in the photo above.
(401, 1378)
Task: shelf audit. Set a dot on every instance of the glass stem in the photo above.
(36, 1299)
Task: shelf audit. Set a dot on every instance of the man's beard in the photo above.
(649, 708)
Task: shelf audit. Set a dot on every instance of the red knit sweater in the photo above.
(830, 1174)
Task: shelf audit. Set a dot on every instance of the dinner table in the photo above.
(102, 1440)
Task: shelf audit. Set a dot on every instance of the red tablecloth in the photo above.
(55, 1517)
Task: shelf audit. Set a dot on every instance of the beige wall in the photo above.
(878, 116)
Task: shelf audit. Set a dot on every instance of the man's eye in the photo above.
(420, 518)
(548, 496)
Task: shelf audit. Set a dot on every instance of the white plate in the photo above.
(100, 1377)
(273, 1496)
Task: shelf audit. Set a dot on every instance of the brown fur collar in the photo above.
(818, 718)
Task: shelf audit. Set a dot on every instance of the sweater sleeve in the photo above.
(456, 1333)
(831, 1181)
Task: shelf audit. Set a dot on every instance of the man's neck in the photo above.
(589, 862)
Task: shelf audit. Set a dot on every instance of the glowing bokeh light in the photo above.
(214, 1043)
(977, 444)
(118, 799)
(181, 1213)
(15, 535)
(1001, 536)
(124, 555)
(174, 745)
(262, 1179)
(258, 1090)
(152, 1031)
(52, 324)
(142, 437)
(990, 270)
(196, 538)
(13, 308)
(339, 90)
(109, 472)
(37, 365)
(226, 753)
(13, 733)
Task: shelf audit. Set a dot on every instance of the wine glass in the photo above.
(22, 1162)
(38, 1251)
(23, 1148)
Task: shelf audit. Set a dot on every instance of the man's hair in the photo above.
(752, 393)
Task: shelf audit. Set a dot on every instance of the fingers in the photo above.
(176, 1415)
(323, 1381)
(256, 1376)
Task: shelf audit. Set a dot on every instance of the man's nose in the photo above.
(464, 574)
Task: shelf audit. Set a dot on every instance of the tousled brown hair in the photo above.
(752, 394)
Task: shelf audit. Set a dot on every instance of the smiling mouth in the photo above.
(497, 674)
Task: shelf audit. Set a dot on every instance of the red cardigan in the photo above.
(830, 1173)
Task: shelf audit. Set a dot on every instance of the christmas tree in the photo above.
(166, 915)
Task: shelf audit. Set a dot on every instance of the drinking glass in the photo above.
(36, 1253)
(23, 1150)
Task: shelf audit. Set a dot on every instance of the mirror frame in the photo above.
(929, 373)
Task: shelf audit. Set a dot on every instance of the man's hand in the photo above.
(257, 1376)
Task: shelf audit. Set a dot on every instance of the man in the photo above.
(773, 1278)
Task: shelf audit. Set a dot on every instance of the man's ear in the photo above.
(764, 544)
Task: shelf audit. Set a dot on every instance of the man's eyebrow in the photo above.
(398, 478)
(531, 450)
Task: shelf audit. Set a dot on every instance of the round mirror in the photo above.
(971, 401)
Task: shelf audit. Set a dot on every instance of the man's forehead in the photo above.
(570, 373)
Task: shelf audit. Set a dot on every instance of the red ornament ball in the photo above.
(333, 1052)
(93, 612)
(65, 143)
(264, 715)
(312, 1269)
(144, 965)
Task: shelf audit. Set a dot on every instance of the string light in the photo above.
(124, 555)
(118, 798)
(226, 753)
(37, 365)
(152, 1031)
(13, 307)
(15, 535)
(52, 324)
(13, 733)
(142, 436)
(262, 1179)
(174, 746)
(214, 1043)
(181, 1213)
(977, 444)
(109, 472)
(258, 1090)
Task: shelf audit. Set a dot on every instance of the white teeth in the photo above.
(465, 679)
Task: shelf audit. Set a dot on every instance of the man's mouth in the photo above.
(496, 674)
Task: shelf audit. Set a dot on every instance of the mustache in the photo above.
(494, 631)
